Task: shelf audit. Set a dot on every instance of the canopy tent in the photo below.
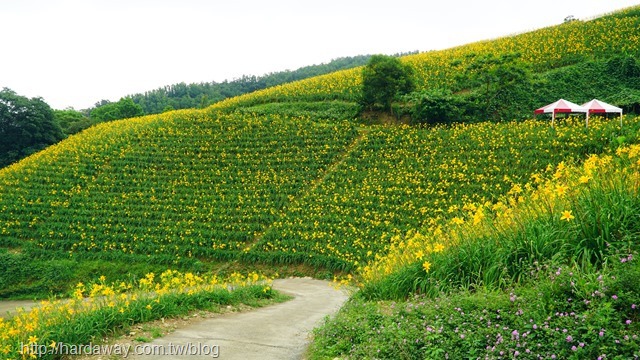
(560, 106)
(596, 106)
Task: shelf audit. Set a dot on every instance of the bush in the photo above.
(435, 106)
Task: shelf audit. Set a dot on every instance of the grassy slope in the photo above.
(168, 190)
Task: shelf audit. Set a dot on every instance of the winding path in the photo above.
(279, 331)
(9, 307)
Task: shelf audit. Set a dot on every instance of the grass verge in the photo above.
(97, 310)
(565, 313)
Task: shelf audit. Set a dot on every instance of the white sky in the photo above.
(74, 53)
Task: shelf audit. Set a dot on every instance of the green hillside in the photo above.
(188, 188)
(185, 96)
(275, 177)
(159, 189)
(496, 219)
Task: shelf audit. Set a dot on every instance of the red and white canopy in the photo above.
(561, 106)
(597, 106)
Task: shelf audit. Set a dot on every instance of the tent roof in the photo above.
(561, 106)
(597, 106)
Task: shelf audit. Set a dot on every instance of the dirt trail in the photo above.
(8, 308)
(278, 331)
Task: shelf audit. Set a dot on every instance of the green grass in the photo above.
(101, 309)
(565, 313)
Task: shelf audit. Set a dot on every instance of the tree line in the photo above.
(200, 95)
(194, 95)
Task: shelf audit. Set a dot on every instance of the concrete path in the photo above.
(8, 308)
(278, 331)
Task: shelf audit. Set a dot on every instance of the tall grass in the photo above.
(574, 215)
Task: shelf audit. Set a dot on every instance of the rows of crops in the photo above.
(542, 49)
(186, 184)
(408, 178)
(262, 183)
(191, 185)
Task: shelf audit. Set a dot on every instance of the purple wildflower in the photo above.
(569, 338)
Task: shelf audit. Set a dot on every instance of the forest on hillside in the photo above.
(200, 95)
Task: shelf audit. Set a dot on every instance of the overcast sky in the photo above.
(74, 53)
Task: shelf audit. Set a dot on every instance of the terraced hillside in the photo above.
(277, 177)
(186, 188)
(400, 178)
(184, 184)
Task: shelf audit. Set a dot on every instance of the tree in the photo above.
(435, 106)
(123, 109)
(26, 126)
(384, 79)
(71, 121)
(501, 83)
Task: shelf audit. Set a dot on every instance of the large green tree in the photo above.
(71, 121)
(384, 79)
(501, 85)
(26, 126)
(123, 109)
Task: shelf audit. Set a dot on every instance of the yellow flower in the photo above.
(426, 266)
(419, 254)
(33, 339)
(584, 179)
(561, 189)
(566, 215)
(438, 247)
